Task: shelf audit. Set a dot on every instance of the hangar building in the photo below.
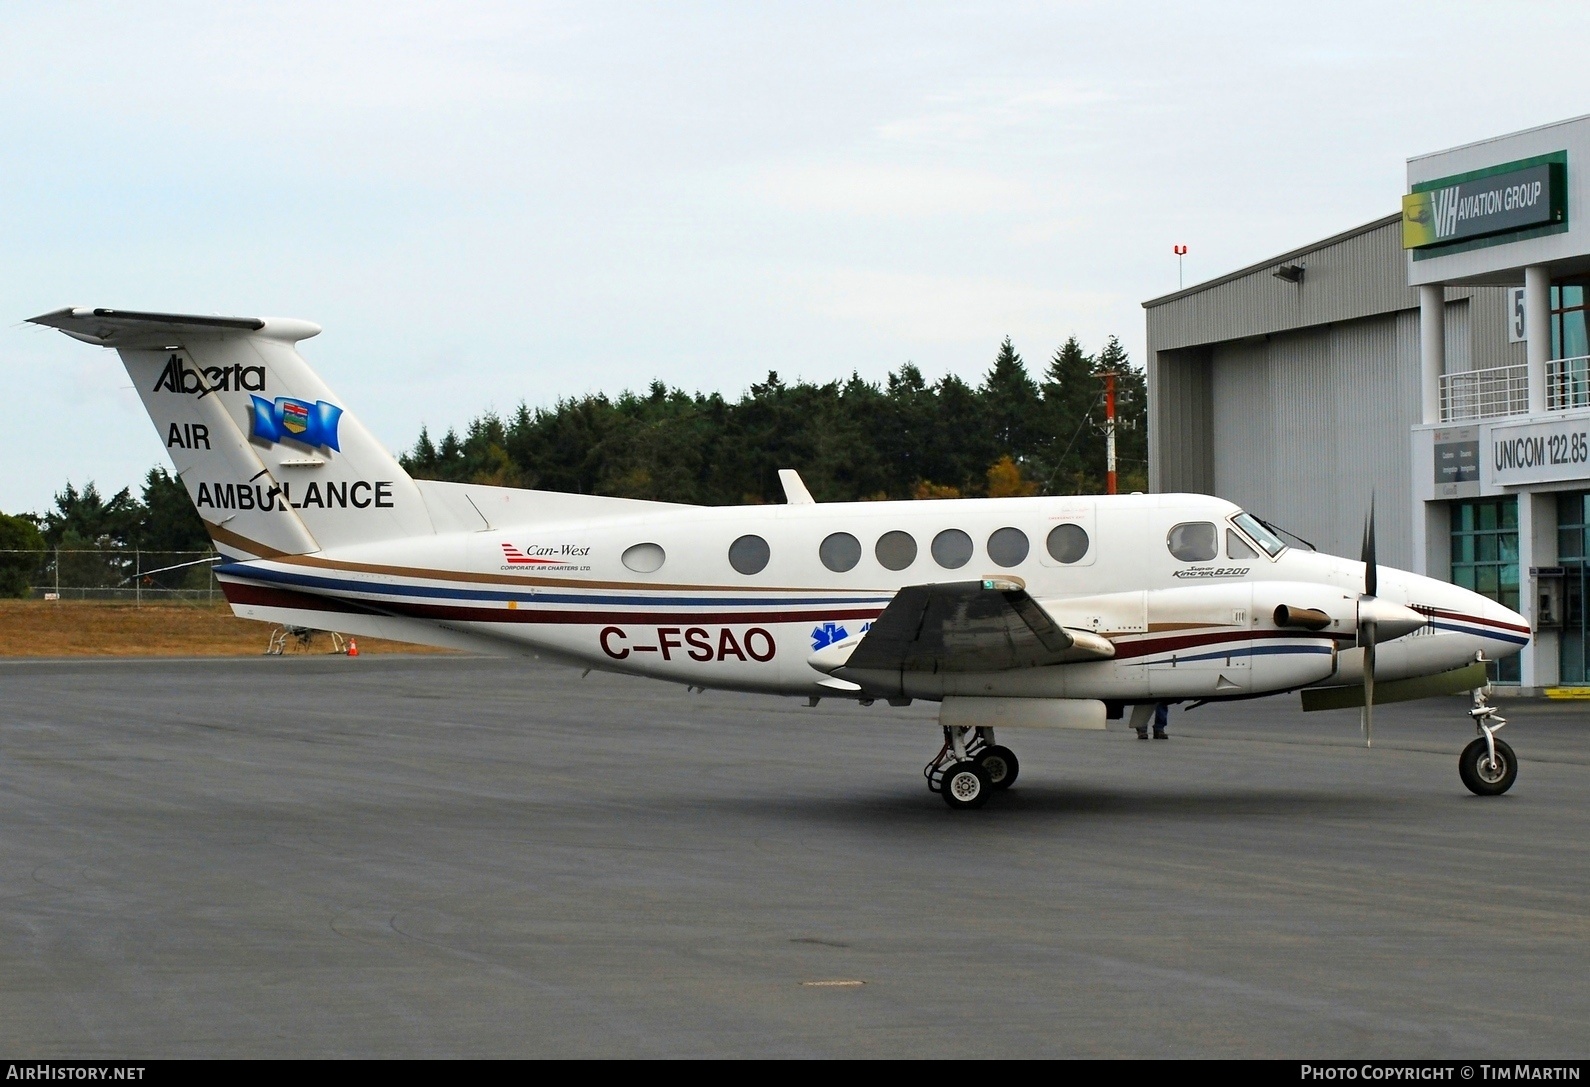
(1437, 359)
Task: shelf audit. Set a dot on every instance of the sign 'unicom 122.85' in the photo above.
(1531, 194)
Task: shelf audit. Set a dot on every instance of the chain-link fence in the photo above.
(111, 573)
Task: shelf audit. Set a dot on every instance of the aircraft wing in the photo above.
(964, 626)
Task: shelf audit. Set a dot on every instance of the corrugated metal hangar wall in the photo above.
(1297, 399)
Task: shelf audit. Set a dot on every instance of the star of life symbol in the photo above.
(828, 634)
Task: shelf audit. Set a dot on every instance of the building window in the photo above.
(1485, 559)
(1570, 338)
(1575, 562)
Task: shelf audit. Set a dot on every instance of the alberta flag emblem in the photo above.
(295, 417)
(312, 424)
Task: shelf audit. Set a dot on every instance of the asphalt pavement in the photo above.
(391, 856)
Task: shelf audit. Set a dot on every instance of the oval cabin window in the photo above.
(1008, 546)
(1193, 541)
(952, 549)
(840, 552)
(644, 558)
(1068, 543)
(895, 550)
(749, 554)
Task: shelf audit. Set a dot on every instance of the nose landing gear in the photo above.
(1487, 765)
(969, 766)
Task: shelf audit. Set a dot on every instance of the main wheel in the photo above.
(1481, 775)
(1000, 764)
(965, 785)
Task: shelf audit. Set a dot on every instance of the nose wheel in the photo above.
(1487, 766)
(970, 766)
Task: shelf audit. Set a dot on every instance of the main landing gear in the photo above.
(969, 766)
(1487, 766)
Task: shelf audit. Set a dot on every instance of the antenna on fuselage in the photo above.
(795, 492)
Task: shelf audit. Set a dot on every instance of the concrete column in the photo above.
(1151, 419)
(1437, 537)
(1537, 327)
(1421, 539)
(1537, 518)
(1432, 350)
(1526, 595)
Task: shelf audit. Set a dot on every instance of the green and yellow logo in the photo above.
(1418, 220)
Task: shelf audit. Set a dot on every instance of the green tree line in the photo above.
(161, 519)
(1011, 434)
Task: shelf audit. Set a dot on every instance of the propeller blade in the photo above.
(1369, 681)
(1367, 632)
(1371, 572)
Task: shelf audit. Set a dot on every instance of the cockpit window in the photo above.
(1193, 541)
(1259, 534)
(1237, 547)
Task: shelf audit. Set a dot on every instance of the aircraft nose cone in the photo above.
(1510, 622)
(1391, 620)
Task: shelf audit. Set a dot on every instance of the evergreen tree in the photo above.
(1010, 402)
(21, 554)
(850, 440)
(962, 445)
(907, 444)
(1074, 445)
(84, 518)
(168, 521)
(423, 459)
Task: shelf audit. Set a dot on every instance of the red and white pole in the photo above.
(1109, 432)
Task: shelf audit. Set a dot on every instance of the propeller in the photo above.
(1378, 620)
(1367, 627)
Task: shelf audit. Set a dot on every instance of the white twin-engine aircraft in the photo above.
(1056, 612)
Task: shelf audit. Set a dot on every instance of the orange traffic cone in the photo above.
(353, 647)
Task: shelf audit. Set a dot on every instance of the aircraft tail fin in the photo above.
(272, 460)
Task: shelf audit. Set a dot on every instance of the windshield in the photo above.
(1259, 534)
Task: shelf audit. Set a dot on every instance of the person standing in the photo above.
(1161, 719)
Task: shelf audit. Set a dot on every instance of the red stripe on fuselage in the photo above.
(1477, 620)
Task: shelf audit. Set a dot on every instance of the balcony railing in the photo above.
(1568, 383)
(1481, 394)
(1504, 390)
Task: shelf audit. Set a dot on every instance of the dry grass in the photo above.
(91, 628)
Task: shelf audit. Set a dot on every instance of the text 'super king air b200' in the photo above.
(1057, 612)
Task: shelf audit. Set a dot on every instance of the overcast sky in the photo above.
(486, 203)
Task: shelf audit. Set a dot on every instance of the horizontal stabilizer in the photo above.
(136, 328)
(1467, 678)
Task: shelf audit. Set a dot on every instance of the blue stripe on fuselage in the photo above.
(1482, 632)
